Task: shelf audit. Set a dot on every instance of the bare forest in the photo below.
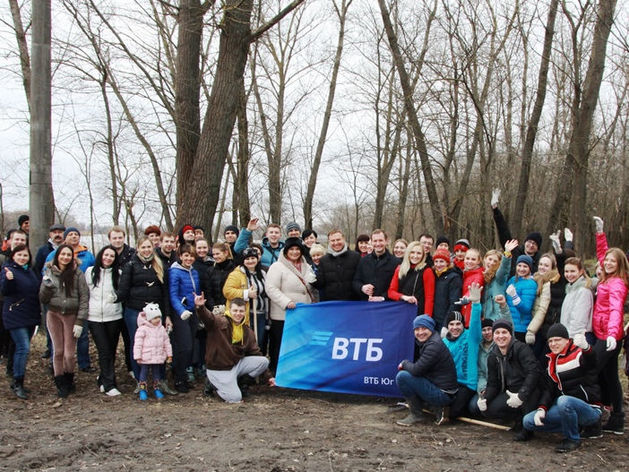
(353, 114)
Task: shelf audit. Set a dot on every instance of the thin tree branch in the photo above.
(269, 24)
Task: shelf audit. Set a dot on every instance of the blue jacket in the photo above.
(182, 285)
(522, 313)
(269, 254)
(497, 286)
(464, 350)
(21, 297)
(85, 257)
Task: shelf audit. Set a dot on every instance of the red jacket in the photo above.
(469, 277)
(428, 285)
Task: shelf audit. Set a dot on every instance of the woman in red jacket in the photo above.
(472, 273)
(413, 281)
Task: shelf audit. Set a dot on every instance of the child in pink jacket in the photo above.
(607, 324)
(151, 348)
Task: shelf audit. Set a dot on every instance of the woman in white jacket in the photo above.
(288, 282)
(576, 310)
(105, 315)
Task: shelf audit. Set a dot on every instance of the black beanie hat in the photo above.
(290, 242)
(536, 237)
(454, 316)
(487, 323)
(503, 323)
(233, 228)
(442, 239)
(557, 331)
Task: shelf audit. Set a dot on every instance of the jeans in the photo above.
(22, 339)
(155, 369)
(565, 416)
(106, 336)
(131, 322)
(83, 349)
(428, 392)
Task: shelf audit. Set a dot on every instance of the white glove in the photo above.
(529, 337)
(580, 341)
(554, 239)
(611, 343)
(444, 332)
(511, 291)
(495, 197)
(185, 315)
(598, 223)
(538, 419)
(77, 330)
(514, 400)
(567, 235)
(482, 404)
(474, 293)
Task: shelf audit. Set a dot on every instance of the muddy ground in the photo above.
(273, 430)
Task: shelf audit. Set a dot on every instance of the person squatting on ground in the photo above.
(232, 354)
(151, 348)
(431, 379)
(570, 394)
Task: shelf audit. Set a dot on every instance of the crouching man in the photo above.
(231, 350)
(431, 380)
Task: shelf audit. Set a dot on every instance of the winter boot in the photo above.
(69, 378)
(156, 390)
(18, 388)
(62, 389)
(415, 415)
(143, 395)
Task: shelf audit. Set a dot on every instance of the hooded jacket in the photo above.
(576, 311)
(464, 350)
(496, 286)
(517, 371)
(284, 283)
(151, 344)
(522, 313)
(182, 285)
(140, 285)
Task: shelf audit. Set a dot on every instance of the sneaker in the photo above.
(131, 374)
(143, 395)
(410, 419)
(568, 445)
(137, 388)
(190, 372)
(593, 431)
(440, 416)
(158, 394)
(114, 392)
(88, 369)
(399, 406)
(616, 424)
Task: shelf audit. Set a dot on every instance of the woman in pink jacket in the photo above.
(607, 324)
(151, 348)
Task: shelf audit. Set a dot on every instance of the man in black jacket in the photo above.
(375, 271)
(337, 269)
(431, 379)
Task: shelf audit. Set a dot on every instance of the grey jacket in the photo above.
(53, 293)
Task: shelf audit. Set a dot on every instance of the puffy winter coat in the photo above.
(140, 285)
(517, 371)
(102, 306)
(21, 302)
(576, 311)
(526, 289)
(336, 273)
(237, 286)
(447, 291)
(218, 274)
(434, 362)
(52, 292)
(151, 344)
(284, 283)
(470, 277)
(182, 285)
(607, 318)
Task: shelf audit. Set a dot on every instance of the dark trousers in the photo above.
(127, 347)
(459, 406)
(184, 336)
(106, 336)
(498, 408)
(611, 389)
(275, 342)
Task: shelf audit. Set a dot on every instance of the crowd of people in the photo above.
(512, 334)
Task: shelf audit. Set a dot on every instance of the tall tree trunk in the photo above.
(20, 36)
(531, 132)
(41, 199)
(418, 134)
(241, 181)
(187, 91)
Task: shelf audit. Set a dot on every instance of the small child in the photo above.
(151, 348)
(231, 351)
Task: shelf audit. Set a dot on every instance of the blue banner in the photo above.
(346, 347)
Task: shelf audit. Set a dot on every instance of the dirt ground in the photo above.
(274, 430)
